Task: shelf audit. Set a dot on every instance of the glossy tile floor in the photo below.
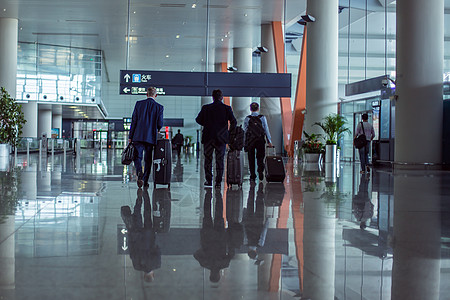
(82, 230)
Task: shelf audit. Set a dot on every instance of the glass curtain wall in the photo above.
(54, 73)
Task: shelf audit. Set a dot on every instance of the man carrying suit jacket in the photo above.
(214, 118)
(147, 120)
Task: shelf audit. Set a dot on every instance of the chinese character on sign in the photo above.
(137, 78)
(142, 90)
(146, 78)
(134, 90)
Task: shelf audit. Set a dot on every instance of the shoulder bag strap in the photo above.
(362, 126)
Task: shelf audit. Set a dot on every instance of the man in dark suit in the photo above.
(146, 122)
(214, 118)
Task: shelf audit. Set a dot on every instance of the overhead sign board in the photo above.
(135, 82)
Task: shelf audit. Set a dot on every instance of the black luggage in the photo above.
(235, 167)
(274, 168)
(162, 162)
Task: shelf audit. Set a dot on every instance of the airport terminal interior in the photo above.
(75, 225)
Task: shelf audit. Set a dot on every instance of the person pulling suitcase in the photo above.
(256, 133)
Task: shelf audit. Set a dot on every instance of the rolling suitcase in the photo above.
(162, 162)
(235, 167)
(274, 166)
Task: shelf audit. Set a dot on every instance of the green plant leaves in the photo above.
(11, 119)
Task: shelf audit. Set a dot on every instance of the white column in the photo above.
(242, 60)
(57, 122)
(321, 62)
(270, 107)
(45, 122)
(8, 54)
(417, 237)
(30, 128)
(420, 59)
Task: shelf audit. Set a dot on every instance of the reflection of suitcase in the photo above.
(274, 169)
(235, 167)
(162, 162)
(162, 207)
(274, 194)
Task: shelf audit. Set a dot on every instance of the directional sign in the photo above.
(135, 82)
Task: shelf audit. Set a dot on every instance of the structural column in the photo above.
(8, 54)
(270, 107)
(57, 123)
(45, 122)
(322, 63)
(30, 128)
(242, 60)
(420, 59)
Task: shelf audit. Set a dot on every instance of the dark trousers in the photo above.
(258, 149)
(219, 149)
(148, 148)
(364, 156)
(178, 149)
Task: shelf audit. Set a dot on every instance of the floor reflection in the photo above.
(327, 232)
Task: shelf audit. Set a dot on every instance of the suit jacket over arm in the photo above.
(214, 118)
(147, 121)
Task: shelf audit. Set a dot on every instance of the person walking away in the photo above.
(214, 118)
(256, 132)
(365, 128)
(178, 140)
(146, 122)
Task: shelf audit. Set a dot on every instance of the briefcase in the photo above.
(129, 154)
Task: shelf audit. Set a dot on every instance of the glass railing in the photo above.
(32, 144)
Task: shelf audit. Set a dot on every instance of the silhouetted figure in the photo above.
(362, 207)
(213, 254)
(144, 253)
(255, 229)
(178, 140)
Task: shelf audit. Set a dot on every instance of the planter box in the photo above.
(312, 157)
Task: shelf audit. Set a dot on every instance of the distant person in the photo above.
(178, 141)
(214, 118)
(365, 128)
(256, 133)
(213, 253)
(146, 122)
(144, 252)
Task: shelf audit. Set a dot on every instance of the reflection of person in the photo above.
(256, 132)
(235, 229)
(366, 128)
(213, 254)
(178, 140)
(362, 207)
(255, 229)
(144, 253)
(146, 122)
(214, 118)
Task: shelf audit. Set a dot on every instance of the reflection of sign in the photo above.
(122, 239)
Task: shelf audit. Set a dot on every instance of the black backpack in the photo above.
(236, 141)
(255, 131)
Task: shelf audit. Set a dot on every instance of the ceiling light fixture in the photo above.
(262, 49)
(308, 18)
(194, 5)
(177, 36)
(245, 15)
(167, 56)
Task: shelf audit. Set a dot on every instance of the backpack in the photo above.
(255, 131)
(236, 141)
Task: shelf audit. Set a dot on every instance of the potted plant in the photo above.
(11, 122)
(334, 127)
(312, 147)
